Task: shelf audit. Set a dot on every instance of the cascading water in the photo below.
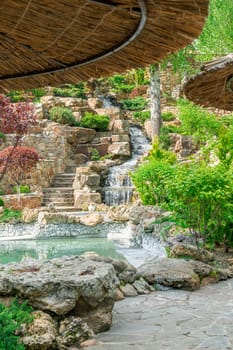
(118, 185)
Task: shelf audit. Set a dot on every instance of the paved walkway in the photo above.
(173, 320)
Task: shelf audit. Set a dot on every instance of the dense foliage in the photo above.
(78, 90)
(10, 215)
(197, 121)
(135, 104)
(95, 121)
(119, 83)
(199, 194)
(62, 115)
(15, 118)
(141, 117)
(20, 161)
(11, 319)
(33, 95)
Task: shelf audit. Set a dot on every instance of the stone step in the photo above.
(58, 199)
(61, 204)
(59, 189)
(62, 184)
(71, 169)
(55, 191)
(65, 175)
(65, 208)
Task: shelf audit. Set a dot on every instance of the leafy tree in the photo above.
(216, 38)
(197, 121)
(15, 118)
(20, 161)
(199, 196)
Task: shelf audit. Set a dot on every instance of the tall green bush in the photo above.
(199, 196)
(197, 122)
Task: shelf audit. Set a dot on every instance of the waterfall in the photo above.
(118, 187)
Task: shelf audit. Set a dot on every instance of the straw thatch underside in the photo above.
(213, 87)
(64, 41)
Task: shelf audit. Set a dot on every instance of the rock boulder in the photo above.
(176, 273)
(74, 285)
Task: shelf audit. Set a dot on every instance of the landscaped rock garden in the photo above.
(73, 297)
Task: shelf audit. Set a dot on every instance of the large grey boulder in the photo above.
(190, 251)
(119, 149)
(176, 273)
(183, 274)
(67, 285)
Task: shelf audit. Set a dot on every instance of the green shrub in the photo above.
(142, 116)
(2, 137)
(164, 138)
(197, 122)
(199, 196)
(22, 188)
(16, 96)
(11, 319)
(135, 104)
(94, 154)
(149, 181)
(106, 156)
(36, 94)
(1, 202)
(95, 121)
(22, 96)
(62, 115)
(71, 90)
(167, 116)
(10, 215)
(119, 83)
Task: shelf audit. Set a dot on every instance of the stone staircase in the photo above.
(60, 193)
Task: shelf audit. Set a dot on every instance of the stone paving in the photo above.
(173, 320)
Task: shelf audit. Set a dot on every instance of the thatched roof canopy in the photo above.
(46, 42)
(213, 86)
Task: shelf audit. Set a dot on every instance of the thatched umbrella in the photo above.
(46, 42)
(213, 86)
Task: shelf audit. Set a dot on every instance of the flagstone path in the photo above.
(173, 320)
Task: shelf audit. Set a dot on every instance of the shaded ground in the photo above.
(173, 320)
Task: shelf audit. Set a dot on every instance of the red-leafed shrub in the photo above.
(20, 161)
(15, 118)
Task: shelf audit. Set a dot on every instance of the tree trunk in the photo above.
(18, 193)
(156, 120)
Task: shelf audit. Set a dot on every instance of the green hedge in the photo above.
(95, 121)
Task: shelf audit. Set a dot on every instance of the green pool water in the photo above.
(49, 248)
